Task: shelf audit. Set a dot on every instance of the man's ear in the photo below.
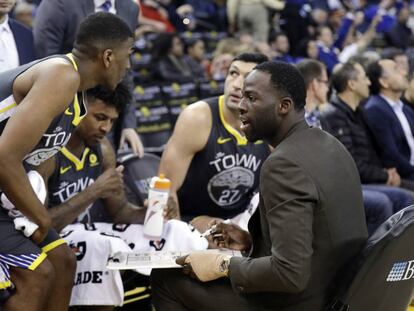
(383, 82)
(107, 57)
(313, 86)
(351, 84)
(285, 105)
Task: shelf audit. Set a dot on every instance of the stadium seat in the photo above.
(153, 117)
(211, 88)
(382, 279)
(138, 173)
(178, 96)
(211, 40)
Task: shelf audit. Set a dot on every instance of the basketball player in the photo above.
(83, 172)
(40, 105)
(215, 171)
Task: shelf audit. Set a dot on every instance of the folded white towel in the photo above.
(20, 221)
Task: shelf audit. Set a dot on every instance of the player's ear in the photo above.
(107, 57)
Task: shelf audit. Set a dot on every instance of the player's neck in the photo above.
(86, 69)
(76, 145)
(232, 118)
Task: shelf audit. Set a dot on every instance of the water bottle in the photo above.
(157, 200)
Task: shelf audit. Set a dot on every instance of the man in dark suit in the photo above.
(55, 28)
(309, 223)
(57, 21)
(391, 122)
(16, 40)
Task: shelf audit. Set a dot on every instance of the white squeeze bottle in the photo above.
(157, 199)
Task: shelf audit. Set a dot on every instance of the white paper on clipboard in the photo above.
(151, 260)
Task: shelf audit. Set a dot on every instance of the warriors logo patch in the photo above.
(228, 187)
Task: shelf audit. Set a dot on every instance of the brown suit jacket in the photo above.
(309, 223)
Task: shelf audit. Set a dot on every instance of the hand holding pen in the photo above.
(224, 234)
(213, 226)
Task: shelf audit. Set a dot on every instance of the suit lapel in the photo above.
(387, 108)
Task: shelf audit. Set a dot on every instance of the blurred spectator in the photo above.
(279, 43)
(327, 52)
(365, 59)
(399, 57)
(408, 97)
(384, 8)
(264, 48)
(335, 19)
(354, 42)
(319, 16)
(208, 14)
(195, 57)
(308, 48)
(344, 119)
(245, 38)
(400, 34)
(24, 12)
(317, 87)
(391, 122)
(171, 66)
(220, 65)
(179, 16)
(153, 14)
(294, 20)
(251, 16)
(225, 51)
(16, 40)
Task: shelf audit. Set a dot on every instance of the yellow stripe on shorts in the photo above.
(37, 262)
(5, 284)
(54, 244)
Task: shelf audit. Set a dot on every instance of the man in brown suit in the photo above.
(309, 224)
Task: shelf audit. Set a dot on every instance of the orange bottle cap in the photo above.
(162, 182)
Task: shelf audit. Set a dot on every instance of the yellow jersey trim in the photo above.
(70, 56)
(53, 245)
(241, 140)
(38, 261)
(79, 164)
(77, 115)
(5, 284)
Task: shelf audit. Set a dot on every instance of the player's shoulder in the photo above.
(197, 114)
(57, 69)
